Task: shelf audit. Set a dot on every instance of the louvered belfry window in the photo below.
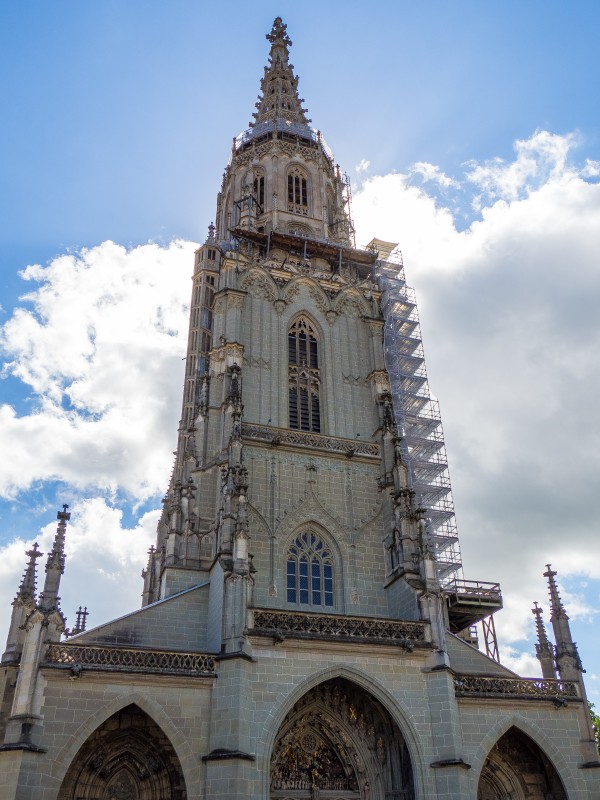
(304, 377)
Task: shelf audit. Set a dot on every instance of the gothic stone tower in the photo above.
(304, 628)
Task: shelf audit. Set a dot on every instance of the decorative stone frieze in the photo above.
(128, 660)
(284, 437)
(522, 688)
(306, 625)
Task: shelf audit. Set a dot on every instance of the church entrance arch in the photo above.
(517, 769)
(339, 743)
(128, 757)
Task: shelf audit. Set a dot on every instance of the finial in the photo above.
(27, 588)
(81, 620)
(211, 233)
(279, 33)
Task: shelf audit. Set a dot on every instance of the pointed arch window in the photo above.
(310, 572)
(297, 192)
(304, 377)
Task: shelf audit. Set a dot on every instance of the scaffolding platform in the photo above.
(470, 602)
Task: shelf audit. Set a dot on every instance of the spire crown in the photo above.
(279, 98)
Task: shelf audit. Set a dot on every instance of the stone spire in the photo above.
(26, 591)
(23, 606)
(543, 648)
(279, 99)
(568, 662)
(55, 565)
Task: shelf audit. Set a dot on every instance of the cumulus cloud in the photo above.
(98, 341)
(104, 562)
(511, 334)
(433, 174)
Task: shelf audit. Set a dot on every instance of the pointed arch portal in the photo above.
(339, 742)
(128, 757)
(517, 769)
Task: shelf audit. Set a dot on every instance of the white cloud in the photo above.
(363, 166)
(541, 158)
(103, 567)
(100, 342)
(511, 332)
(432, 173)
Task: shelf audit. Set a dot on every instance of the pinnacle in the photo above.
(539, 625)
(27, 587)
(555, 601)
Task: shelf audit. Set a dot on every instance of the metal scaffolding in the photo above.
(416, 412)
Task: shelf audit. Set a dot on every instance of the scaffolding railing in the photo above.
(417, 415)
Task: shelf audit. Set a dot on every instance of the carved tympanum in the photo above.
(338, 741)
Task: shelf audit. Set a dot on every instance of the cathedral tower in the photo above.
(305, 630)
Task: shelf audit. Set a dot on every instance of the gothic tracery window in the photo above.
(310, 572)
(297, 192)
(304, 377)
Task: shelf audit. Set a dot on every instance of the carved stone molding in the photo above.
(380, 380)
(305, 625)
(225, 356)
(524, 688)
(128, 660)
(284, 437)
(258, 283)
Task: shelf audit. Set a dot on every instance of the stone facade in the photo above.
(296, 638)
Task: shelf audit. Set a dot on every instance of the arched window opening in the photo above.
(310, 572)
(297, 192)
(304, 377)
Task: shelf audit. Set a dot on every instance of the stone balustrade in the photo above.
(101, 658)
(336, 627)
(522, 688)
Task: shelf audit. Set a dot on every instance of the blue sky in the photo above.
(470, 133)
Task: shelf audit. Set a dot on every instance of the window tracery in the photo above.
(310, 572)
(304, 378)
